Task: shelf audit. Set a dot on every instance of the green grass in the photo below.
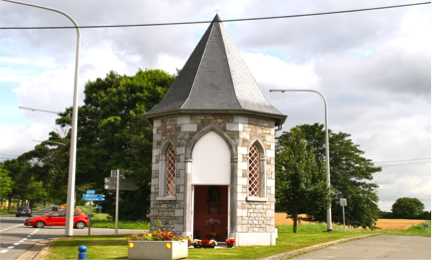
(103, 220)
(110, 247)
(5, 212)
(122, 224)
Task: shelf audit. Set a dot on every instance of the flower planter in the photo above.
(230, 245)
(157, 249)
(207, 246)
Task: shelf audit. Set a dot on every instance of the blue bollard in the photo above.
(82, 255)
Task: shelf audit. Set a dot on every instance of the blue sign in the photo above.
(90, 192)
(100, 207)
(95, 199)
(93, 195)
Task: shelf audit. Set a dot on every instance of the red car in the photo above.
(57, 219)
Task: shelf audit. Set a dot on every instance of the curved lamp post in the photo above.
(41, 110)
(72, 161)
(329, 216)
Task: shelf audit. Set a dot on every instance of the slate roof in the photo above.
(215, 79)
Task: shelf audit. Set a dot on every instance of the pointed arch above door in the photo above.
(211, 160)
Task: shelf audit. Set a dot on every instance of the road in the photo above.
(17, 238)
(379, 247)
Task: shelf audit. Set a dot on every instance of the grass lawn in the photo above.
(110, 247)
(102, 220)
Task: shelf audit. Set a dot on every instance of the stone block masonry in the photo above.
(248, 215)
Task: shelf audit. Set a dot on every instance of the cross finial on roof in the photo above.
(217, 11)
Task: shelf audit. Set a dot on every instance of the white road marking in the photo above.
(3, 251)
(10, 247)
(16, 244)
(24, 238)
(21, 241)
(29, 236)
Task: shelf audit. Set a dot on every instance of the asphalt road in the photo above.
(17, 238)
(379, 247)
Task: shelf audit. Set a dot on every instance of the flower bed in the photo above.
(206, 243)
(157, 244)
(230, 242)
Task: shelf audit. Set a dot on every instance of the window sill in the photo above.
(249, 198)
(166, 198)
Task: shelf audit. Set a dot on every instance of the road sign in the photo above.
(121, 180)
(94, 199)
(114, 173)
(100, 207)
(343, 202)
(90, 192)
(112, 186)
(93, 195)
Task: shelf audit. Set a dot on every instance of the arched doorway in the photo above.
(211, 177)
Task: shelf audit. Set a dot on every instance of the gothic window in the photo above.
(257, 173)
(170, 171)
(254, 171)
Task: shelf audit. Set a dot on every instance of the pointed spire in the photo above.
(216, 19)
(215, 79)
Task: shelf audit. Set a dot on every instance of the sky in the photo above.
(374, 68)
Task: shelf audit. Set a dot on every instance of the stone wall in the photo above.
(252, 214)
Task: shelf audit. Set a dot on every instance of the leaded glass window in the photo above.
(254, 173)
(170, 171)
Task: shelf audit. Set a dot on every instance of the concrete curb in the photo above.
(315, 247)
(37, 251)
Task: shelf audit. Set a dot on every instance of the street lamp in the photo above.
(41, 110)
(72, 161)
(329, 216)
(46, 111)
(57, 143)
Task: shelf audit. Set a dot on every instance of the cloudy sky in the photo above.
(373, 67)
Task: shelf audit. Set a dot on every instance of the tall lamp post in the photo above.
(72, 161)
(41, 110)
(329, 216)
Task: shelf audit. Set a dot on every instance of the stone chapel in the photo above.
(213, 163)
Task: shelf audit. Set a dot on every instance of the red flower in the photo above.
(205, 241)
(230, 241)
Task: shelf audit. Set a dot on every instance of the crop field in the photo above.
(383, 224)
(398, 224)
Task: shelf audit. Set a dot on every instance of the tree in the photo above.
(112, 134)
(47, 169)
(351, 177)
(5, 182)
(409, 208)
(21, 178)
(300, 183)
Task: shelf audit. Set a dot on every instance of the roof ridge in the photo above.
(221, 27)
(199, 67)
